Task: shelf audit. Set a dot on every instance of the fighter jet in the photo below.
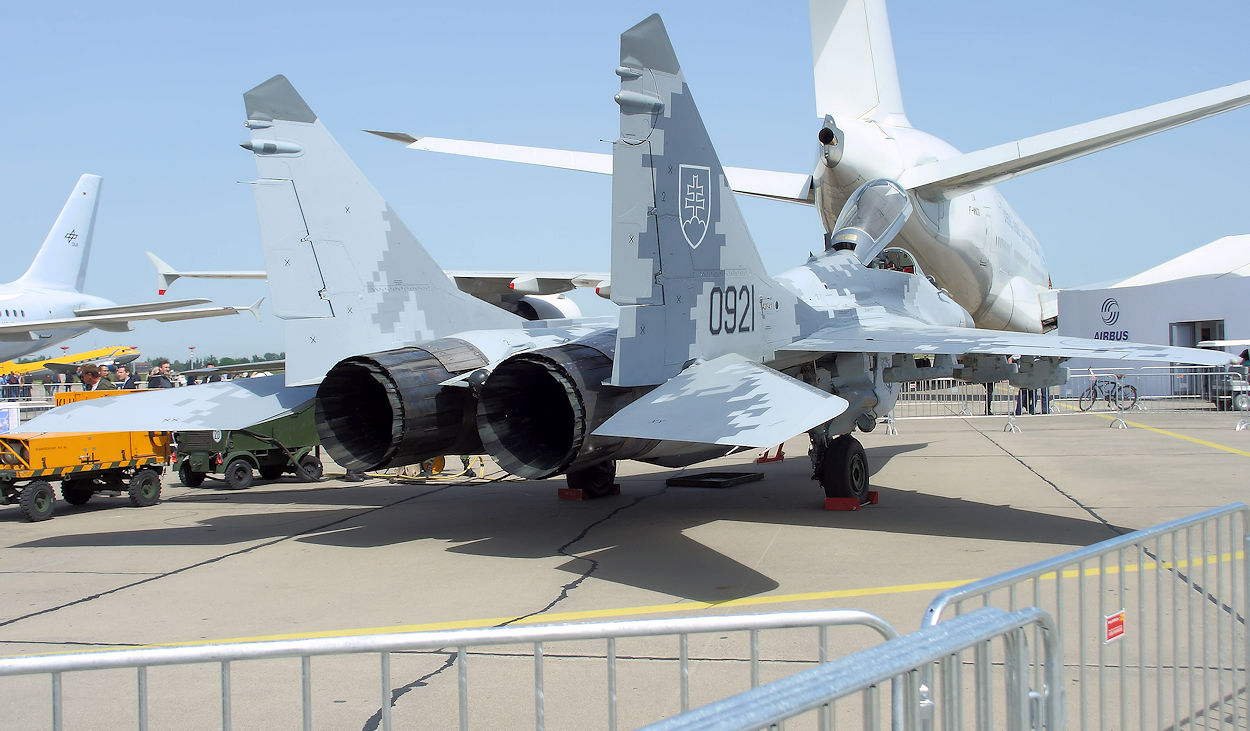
(711, 355)
(47, 305)
(961, 231)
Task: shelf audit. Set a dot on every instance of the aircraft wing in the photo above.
(1222, 343)
(727, 400)
(860, 331)
(165, 274)
(794, 187)
(957, 175)
(235, 404)
(117, 319)
(481, 282)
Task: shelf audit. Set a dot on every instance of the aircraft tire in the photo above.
(594, 481)
(36, 501)
(844, 470)
(239, 474)
(145, 488)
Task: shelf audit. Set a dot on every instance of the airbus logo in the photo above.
(694, 186)
(1110, 311)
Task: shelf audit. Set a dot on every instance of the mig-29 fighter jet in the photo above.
(712, 354)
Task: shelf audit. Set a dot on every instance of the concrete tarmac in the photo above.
(960, 499)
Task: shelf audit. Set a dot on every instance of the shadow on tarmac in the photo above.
(638, 538)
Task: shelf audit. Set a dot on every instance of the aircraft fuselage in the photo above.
(974, 245)
(21, 305)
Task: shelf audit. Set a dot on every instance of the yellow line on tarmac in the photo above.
(625, 612)
(1166, 433)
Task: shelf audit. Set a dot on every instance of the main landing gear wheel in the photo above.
(594, 481)
(844, 471)
(36, 501)
(145, 488)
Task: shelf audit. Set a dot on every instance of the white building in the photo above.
(1201, 295)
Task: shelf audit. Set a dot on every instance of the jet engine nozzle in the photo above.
(391, 409)
(831, 142)
(536, 411)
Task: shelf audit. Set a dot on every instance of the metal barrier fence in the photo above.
(1152, 624)
(916, 659)
(1151, 389)
(514, 648)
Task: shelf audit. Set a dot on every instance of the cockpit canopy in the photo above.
(871, 218)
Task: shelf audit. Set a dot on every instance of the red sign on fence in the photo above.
(1114, 625)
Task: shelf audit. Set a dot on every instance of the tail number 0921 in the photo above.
(730, 310)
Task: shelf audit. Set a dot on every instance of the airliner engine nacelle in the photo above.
(390, 409)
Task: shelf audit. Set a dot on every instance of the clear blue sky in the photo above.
(149, 96)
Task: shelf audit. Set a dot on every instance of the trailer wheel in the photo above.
(36, 501)
(188, 476)
(239, 474)
(76, 492)
(145, 488)
(272, 472)
(309, 468)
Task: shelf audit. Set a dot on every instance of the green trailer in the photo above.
(273, 448)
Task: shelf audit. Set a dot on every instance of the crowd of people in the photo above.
(94, 377)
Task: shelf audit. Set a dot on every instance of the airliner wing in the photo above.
(235, 404)
(957, 175)
(794, 187)
(483, 282)
(116, 319)
(860, 331)
(165, 274)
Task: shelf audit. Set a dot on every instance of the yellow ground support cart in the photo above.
(85, 463)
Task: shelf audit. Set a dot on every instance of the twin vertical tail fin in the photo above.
(62, 259)
(344, 271)
(684, 268)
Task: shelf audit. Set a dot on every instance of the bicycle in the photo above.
(1124, 395)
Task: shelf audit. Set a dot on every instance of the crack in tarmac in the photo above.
(372, 723)
(216, 559)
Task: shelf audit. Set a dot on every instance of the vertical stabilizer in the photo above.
(853, 61)
(62, 259)
(344, 271)
(684, 268)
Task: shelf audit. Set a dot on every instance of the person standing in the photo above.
(125, 379)
(161, 376)
(93, 381)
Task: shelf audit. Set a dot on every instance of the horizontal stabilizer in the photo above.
(794, 187)
(728, 400)
(957, 175)
(882, 332)
(236, 404)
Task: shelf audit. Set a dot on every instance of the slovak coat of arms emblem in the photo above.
(695, 189)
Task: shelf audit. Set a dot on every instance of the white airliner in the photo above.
(961, 231)
(47, 305)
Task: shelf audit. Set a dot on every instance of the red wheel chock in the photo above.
(574, 493)
(765, 459)
(850, 503)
